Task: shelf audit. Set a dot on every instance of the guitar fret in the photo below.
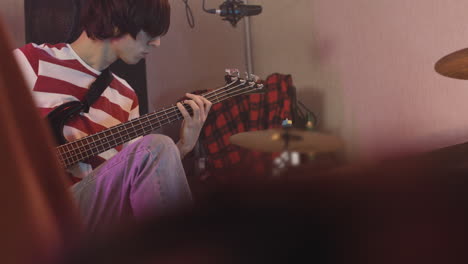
(122, 135)
(99, 139)
(167, 117)
(133, 134)
(81, 149)
(118, 135)
(119, 130)
(159, 121)
(106, 140)
(150, 126)
(65, 154)
(73, 152)
(179, 114)
(158, 118)
(136, 126)
(146, 129)
(93, 143)
(126, 132)
(89, 152)
(90, 143)
(149, 122)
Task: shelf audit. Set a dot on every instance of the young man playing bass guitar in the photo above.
(136, 179)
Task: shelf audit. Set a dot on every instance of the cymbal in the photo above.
(454, 65)
(273, 140)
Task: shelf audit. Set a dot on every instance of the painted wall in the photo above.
(12, 15)
(366, 68)
(193, 59)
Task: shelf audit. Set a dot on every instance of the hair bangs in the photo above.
(157, 19)
(102, 19)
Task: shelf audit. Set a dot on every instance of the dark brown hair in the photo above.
(102, 19)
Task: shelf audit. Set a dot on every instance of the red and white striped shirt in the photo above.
(56, 75)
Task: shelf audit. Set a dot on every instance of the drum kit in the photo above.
(290, 141)
(287, 139)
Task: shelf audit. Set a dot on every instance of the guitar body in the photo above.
(59, 117)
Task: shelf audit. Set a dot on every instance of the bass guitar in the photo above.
(70, 153)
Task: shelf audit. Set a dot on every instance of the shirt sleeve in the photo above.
(29, 74)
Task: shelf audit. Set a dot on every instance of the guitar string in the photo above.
(215, 94)
(159, 111)
(123, 124)
(143, 128)
(169, 115)
(73, 158)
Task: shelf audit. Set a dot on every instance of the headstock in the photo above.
(250, 81)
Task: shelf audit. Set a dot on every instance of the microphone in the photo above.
(228, 9)
(234, 10)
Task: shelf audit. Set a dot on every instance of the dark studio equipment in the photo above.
(234, 10)
(305, 117)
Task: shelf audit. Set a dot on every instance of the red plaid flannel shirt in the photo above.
(246, 113)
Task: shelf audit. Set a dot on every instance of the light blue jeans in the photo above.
(145, 178)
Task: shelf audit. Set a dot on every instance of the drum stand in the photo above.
(287, 158)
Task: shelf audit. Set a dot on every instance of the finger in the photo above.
(195, 108)
(198, 101)
(208, 105)
(183, 111)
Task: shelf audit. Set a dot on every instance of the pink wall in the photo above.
(192, 59)
(379, 55)
(12, 15)
(384, 52)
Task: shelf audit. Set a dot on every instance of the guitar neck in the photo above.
(89, 146)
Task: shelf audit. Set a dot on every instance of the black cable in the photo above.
(314, 117)
(189, 14)
(211, 11)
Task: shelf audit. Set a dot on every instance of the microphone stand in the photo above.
(285, 160)
(248, 44)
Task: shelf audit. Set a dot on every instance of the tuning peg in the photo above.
(233, 72)
(254, 78)
(251, 77)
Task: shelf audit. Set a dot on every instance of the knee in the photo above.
(158, 143)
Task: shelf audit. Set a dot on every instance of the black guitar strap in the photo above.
(60, 115)
(96, 89)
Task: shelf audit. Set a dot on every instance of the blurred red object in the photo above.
(38, 215)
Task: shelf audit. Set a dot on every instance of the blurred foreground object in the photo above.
(406, 215)
(38, 215)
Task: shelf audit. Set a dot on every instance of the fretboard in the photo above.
(89, 146)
